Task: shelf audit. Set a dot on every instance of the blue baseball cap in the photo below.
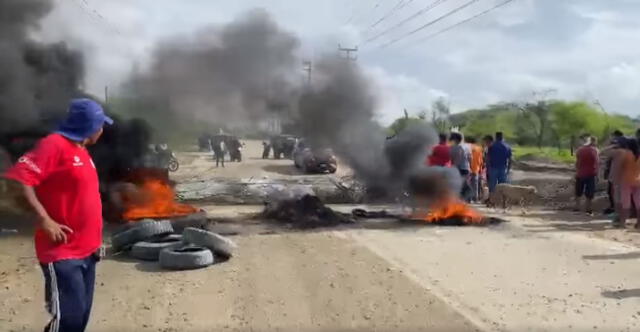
(84, 118)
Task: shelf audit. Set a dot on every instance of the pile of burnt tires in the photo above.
(152, 240)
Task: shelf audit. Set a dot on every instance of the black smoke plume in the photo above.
(36, 79)
(338, 111)
(249, 70)
(231, 74)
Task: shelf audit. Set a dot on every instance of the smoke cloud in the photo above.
(250, 69)
(231, 74)
(36, 79)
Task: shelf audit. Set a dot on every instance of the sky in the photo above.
(573, 49)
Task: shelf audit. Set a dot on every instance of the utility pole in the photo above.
(307, 66)
(348, 52)
(106, 94)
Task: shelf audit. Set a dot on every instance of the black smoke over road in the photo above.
(232, 74)
(36, 79)
(250, 69)
(338, 111)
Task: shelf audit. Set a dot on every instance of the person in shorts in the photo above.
(587, 160)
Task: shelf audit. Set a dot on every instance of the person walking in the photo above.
(461, 159)
(60, 183)
(475, 175)
(499, 155)
(587, 161)
(440, 154)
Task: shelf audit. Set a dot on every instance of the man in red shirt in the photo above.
(587, 160)
(60, 182)
(440, 154)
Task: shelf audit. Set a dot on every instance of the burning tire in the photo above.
(140, 232)
(218, 244)
(150, 250)
(185, 258)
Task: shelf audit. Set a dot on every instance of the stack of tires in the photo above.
(152, 240)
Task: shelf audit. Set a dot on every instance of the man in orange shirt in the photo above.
(476, 168)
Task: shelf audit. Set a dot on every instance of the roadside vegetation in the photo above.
(543, 130)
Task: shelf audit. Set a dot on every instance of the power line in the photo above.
(399, 5)
(428, 24)
(355, 14)
(464, 21)
(406, 20)
(84, 6)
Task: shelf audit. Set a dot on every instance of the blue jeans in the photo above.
(496, 176)
(475, 183)
(69, 288)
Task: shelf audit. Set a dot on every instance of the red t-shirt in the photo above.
(587, 160)
(66, 183)
(440, 156)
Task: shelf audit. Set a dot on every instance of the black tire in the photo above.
(173, 165)
(219, 244)
(150, 250)
(123, 240)
(197, 220)
(130, 225)
(140, 232)
(185, 258)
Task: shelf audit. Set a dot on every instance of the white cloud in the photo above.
(617, 87)
(399, 92)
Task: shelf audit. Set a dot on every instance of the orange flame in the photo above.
(449, 208)
(154, 199)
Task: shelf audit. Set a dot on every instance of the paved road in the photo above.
(520, 276)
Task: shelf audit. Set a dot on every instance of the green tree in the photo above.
(400, 124)
(572, 119)
(539, 114)
(440, 112)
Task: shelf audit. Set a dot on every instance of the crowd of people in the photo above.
(620, 160)
(489, 163)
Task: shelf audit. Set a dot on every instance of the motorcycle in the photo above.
(173, 163)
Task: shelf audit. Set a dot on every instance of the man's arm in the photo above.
(30, 170)
(54, 230)
(509, 160)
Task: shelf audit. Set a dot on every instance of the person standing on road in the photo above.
(266, 150)
(60, 182)
(475, 169)
(486, 142)
(461, 159)
(587, 160)
(625, 176)
(219, 152)
(617, 139)
(499, 155)
(440, 154)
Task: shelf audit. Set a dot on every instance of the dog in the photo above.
(507, 194)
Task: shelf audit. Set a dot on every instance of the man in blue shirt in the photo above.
(499, 162)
